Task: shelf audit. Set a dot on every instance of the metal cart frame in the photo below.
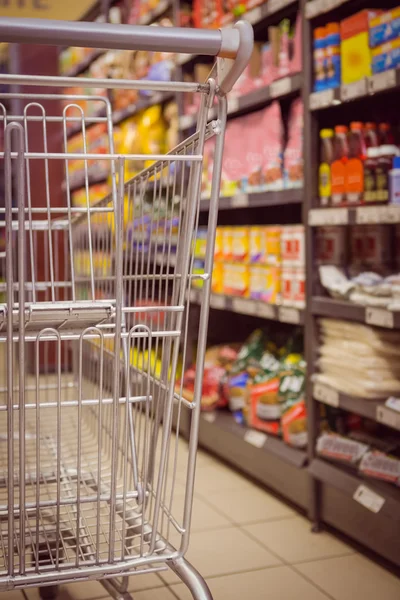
(86, 491)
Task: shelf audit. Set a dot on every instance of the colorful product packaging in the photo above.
(384, 27)
(227, 243)
(217, 278)
(293, 246)
(355, 49)
(386, 56)
(256, 245)
(240, 244)
(236, 280)
(293, 153)
(265, 283)
(219, 244)
(198, 269)
(331, 245)
(272, 237)
(200, 243)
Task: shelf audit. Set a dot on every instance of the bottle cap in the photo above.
(326, 133)
(370, 126)
(356, 126)
(341, 129)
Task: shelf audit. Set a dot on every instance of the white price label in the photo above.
(255, 438)
(326, 394)
(328, 216)
(354, 90)
(267, 311)
(369, 499)
(281, 87)
(313, 8)
(240, 200)
(378, 214)
(379, 317)
(233, 105)
(186, 121)
(275, 5)
(217, 301)
(388, 417)
(321, 99)
(253, 16)
(245, 307)
(209, 417)
(382, 81)
(287, 314)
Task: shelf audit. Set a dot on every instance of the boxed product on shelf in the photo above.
(235, 279)
(293, 153)
(384, 27)
(293, 404)
(340, 448)
(273, 250)
(370, 247)
(326, 57)
(265, 283)
(240, 244)
(331, 246)
(293, 246)
(386, 56)
(379, 465)
(217, 278)
(355, 48)
(293, 286)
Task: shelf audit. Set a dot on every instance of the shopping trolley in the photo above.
(94, 320)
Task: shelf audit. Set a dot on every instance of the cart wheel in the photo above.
(49, 592)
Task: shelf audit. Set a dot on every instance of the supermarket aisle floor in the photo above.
(250, 545)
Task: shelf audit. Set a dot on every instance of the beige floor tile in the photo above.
(203, 517)
(88, 590)
(11, 596)
(218, 477)
(351, 577)
(144, 582)
(293, 541)
(278, 583)
(223, 551)
(157, 594)
(248, 505)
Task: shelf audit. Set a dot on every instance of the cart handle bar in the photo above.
(235, 42)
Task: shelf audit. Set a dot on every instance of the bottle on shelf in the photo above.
(387, 151)
(355, 165)
(370, 162)
(326, 158)
(338, 166)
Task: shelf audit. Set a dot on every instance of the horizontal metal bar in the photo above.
(78, 156)
(67, 337)
(94, 82)
(110, 36)
(72, 403)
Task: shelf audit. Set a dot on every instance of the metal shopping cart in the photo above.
(94, 319)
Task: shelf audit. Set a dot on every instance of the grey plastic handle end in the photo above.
(237, 43)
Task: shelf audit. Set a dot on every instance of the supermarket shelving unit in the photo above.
(364, 509)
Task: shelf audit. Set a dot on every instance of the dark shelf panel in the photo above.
(255, 99)
(369, 86)
(255, 308)
(269, 460)
(340, 309)
(354, 215)
(84, 64)
(257, 199)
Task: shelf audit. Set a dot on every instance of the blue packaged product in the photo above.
(386, 56)
(319, 59)
(384, 27)
(332, 56)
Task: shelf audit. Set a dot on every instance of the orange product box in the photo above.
(265, 283)
(217, 278)
(227, 243)
(257, 245)
(272, 244)
(218, 247)
(235, 280)
(240, 244)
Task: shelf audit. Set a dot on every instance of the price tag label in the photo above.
(186, 121)
(325, 394)
(253, 16)
(275, 5)
(245, 307)
(267, 311)
(240, 200)
(313, 8)
(233, 105)
(378, 214)
(328, 216)
(209, 417)
(382, 81)
(217, 301)
(354, 90)
(369, 499)
(321, 99)
(379, 317)
(388, 417)
(287, 314)
(255, 438)
(281, 87)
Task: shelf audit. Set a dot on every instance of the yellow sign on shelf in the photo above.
(73, 10)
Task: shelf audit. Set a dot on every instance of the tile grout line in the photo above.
(292, 567)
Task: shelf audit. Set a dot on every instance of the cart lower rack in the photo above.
(94, 483)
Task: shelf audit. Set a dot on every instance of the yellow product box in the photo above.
(257, 245)
(355, 51)
(265, 283)
(198, 269)
(240, 244)
(218, 248)
(236, 280)
(272, 241)
(227, 243)
(200, 243)
(217, 278)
